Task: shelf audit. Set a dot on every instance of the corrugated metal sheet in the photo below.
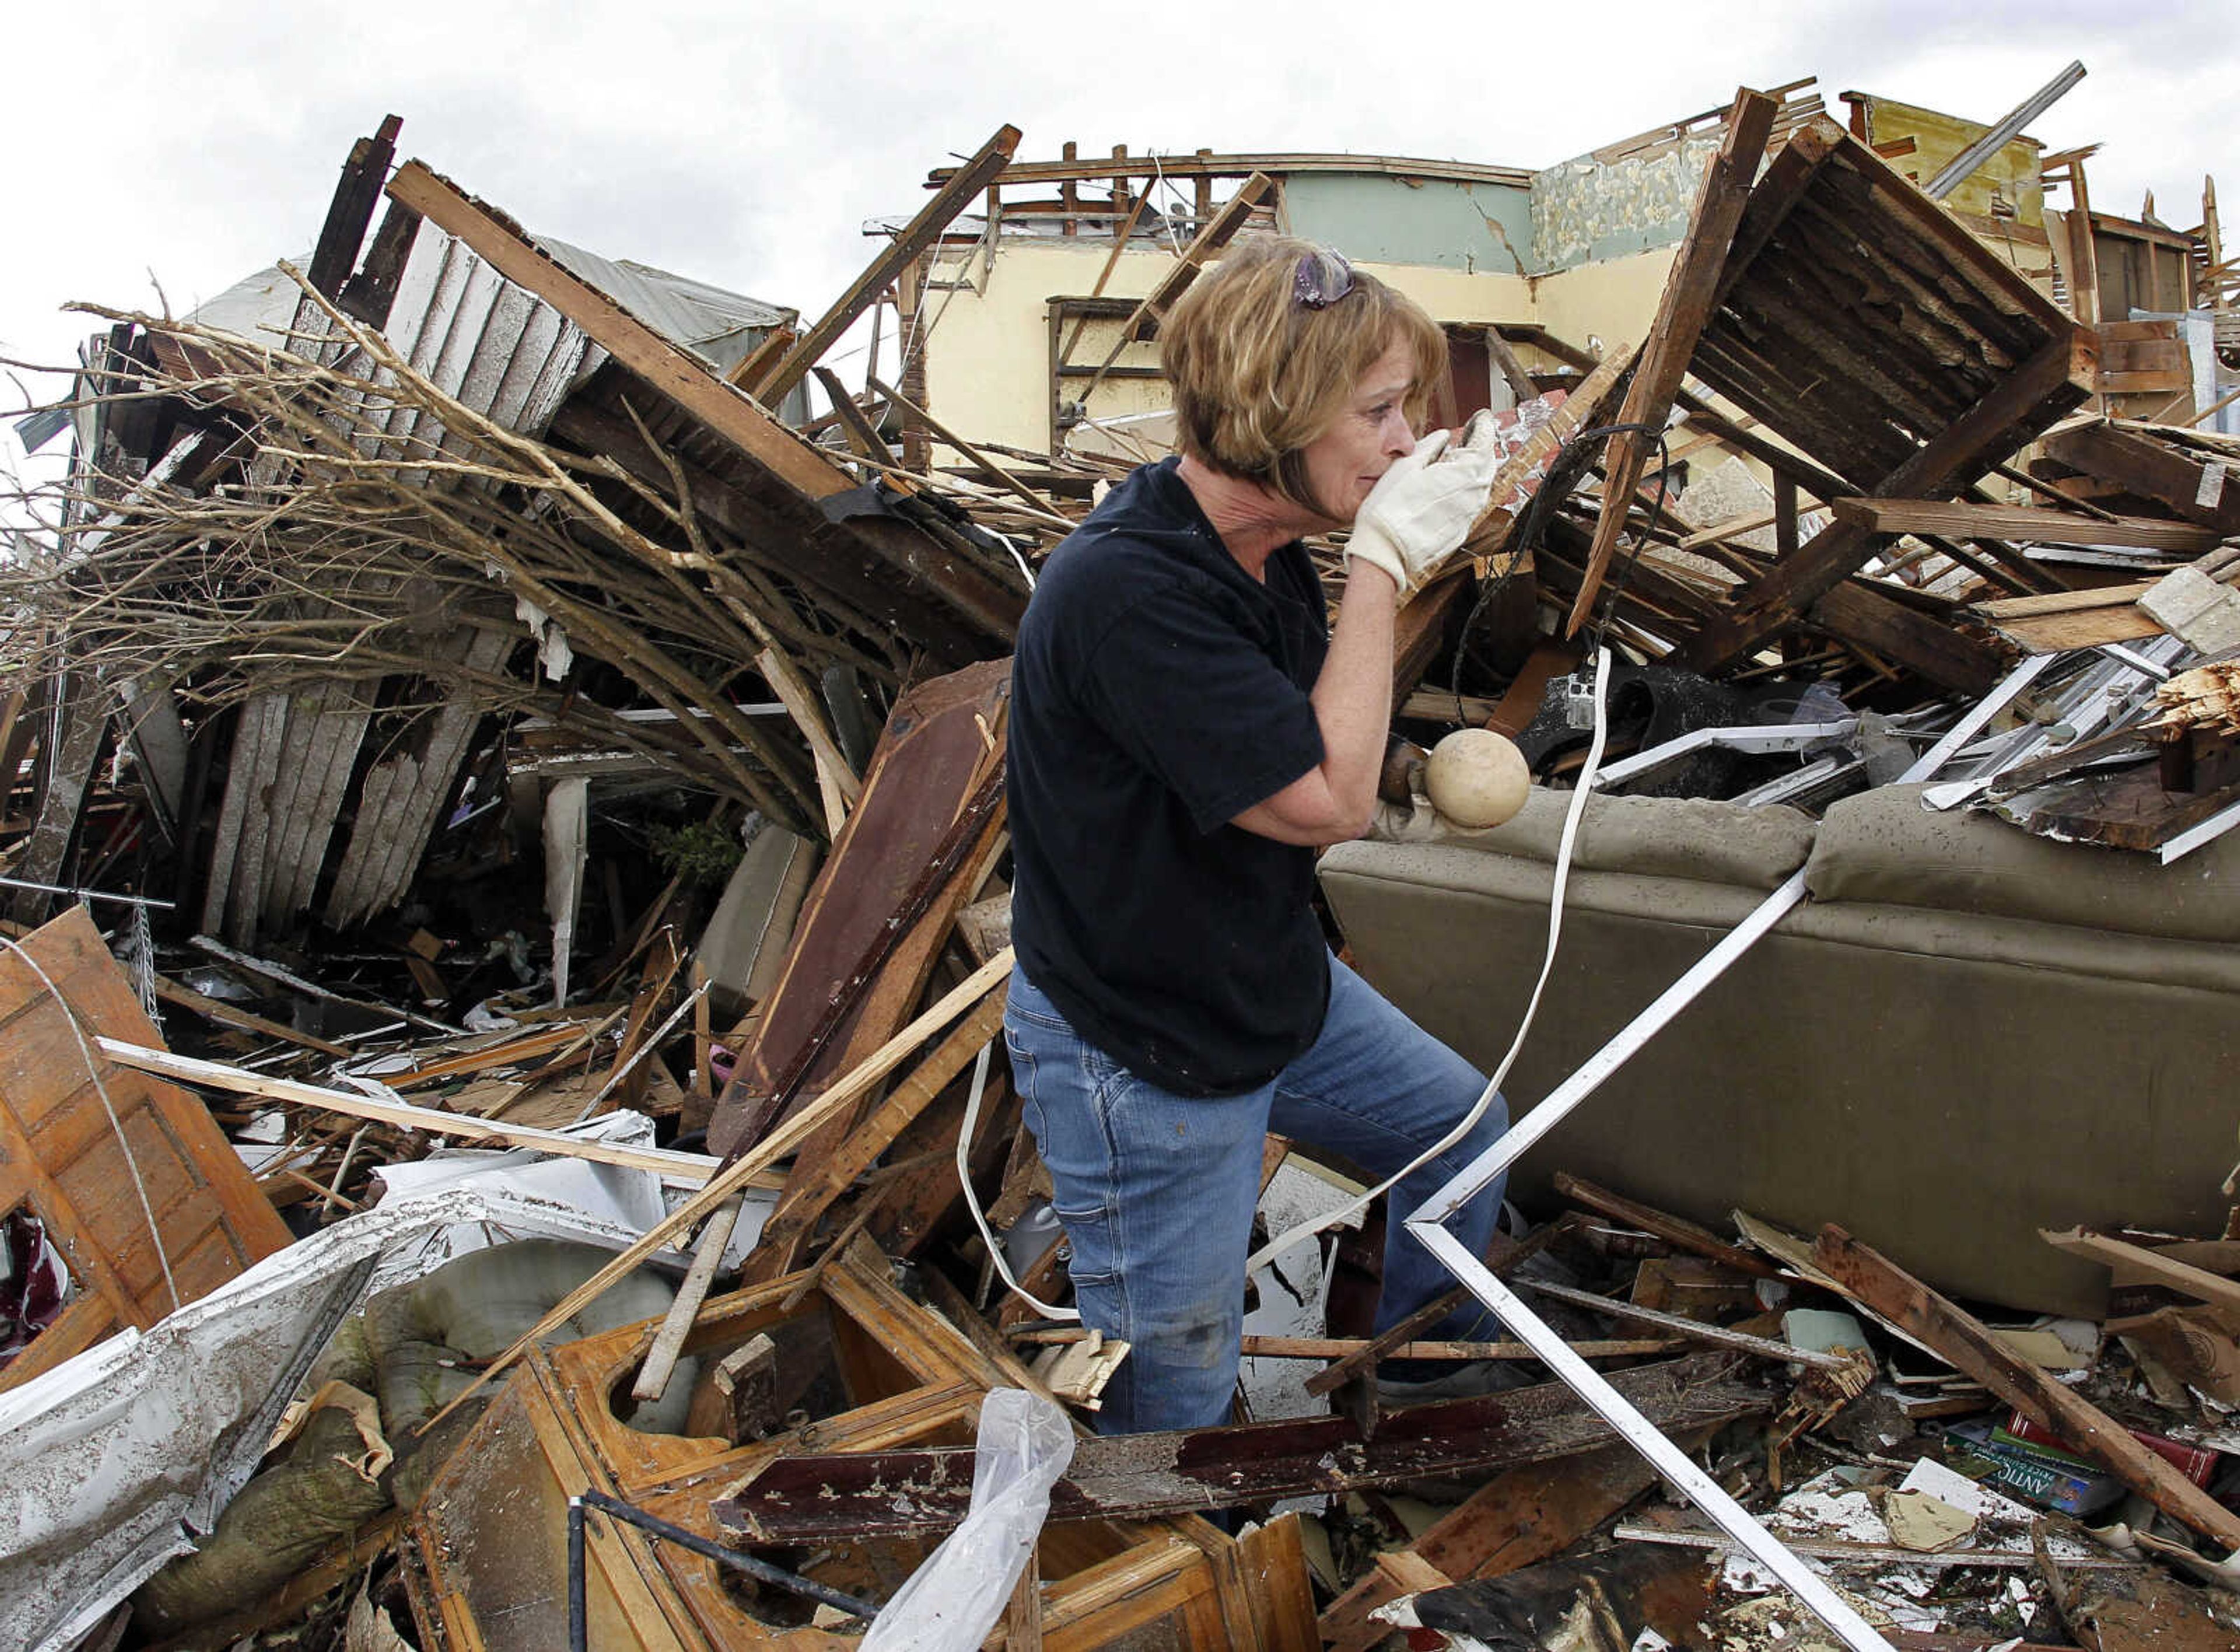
(501, 350)
(721, 328)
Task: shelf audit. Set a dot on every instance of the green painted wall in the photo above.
(1486, 229)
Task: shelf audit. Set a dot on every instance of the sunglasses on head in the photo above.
(1321, 279)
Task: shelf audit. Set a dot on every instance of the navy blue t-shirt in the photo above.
(1159, 690)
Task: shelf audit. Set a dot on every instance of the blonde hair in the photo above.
(1259, 373)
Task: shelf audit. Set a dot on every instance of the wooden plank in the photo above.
(1518, 1518)
(2084, 627)
(707, 1255)
(1966, 1343)
(687, 1169)
(920, 777)
(233, 1016)
(861, 435)
(2019, 521)
(818, 1180)
(1672, 1229)
(1331, 1347)
(2141, 1263)
(740, 1172)
(2137, 463)
(1690, 288)
(351, 210)
(1859, 612)
(835, 779)
(914, 239)
(1275, 1572)
(670, 369)
(1511, 367)
(1220, 229)
(819, 1496)
(66, 773)
(2007, 608)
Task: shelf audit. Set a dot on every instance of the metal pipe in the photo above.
(579, 1626)
(760, 1570)
(2003, 133)
(86, 895)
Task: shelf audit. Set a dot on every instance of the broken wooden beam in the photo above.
(1518, 1518)
(816, 1497)
(2019, 521)
(1967, 1345)
(814, 1183)
(1690, 290)
(351, 210)
(685, 1169)
(2197, 486)
(2141, 1262)
(914, 239)
(1331, 1347)
(1674, 1230)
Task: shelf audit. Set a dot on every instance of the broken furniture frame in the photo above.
(879, 1372)
(1427, 1221)
(1912, 399)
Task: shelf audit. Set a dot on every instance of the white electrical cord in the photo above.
(1025, 572)
(964, 1176)
(1584, 785)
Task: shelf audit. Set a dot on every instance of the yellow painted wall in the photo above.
(1614, 301)
(2011, 174)
(987, 358)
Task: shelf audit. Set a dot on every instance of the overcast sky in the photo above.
(745, 144)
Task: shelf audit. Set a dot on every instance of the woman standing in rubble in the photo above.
(1186, 730)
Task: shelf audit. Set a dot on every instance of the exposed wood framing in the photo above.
(1219, 232)
(2018, 521)
(914, 239)
(1688, 290)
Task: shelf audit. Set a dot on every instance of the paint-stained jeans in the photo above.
(1156, 1190)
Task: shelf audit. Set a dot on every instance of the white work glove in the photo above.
(1416, 515)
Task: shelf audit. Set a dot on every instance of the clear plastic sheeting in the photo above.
(950, 1603)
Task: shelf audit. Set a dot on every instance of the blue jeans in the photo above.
(1156, 1190)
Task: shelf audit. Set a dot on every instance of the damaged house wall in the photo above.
(1589, 210)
